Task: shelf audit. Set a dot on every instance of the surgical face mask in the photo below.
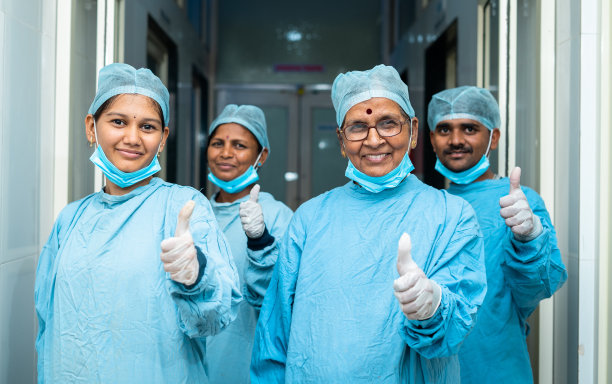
(115, 175)
(390, 180)
(469, 175)
(241, 182)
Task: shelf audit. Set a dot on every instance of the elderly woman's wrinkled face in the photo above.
(377, 155)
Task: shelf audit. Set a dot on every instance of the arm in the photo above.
(262, 254)
(533, 270)
(211, 302)
(456, 264)
(272, 333)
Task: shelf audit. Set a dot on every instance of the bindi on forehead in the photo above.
(369, 111)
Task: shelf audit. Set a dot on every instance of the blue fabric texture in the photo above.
(229, 353)
(519, 275)
(465, 102)
(354, 87)
(107, 310)
(249, 116)
(330, 315)
(467, 176)
(238, 184)
(117, 78)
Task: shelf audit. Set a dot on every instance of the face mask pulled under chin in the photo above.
(238, 184)
(390, 180)
(469, 175)
(115, 175)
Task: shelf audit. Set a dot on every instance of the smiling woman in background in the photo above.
(133, 277)
(254, 224)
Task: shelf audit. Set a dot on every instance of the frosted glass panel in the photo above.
(20, 133)
(272, 174)
(328, 165)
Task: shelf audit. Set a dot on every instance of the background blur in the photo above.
(548, 62)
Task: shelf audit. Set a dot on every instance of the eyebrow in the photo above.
(124, 116)
(383, 117)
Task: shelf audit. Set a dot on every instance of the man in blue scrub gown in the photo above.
(523, 261)
(345, 303)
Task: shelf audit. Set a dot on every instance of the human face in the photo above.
(461, 143)
(129, 132)
(375, 155)
(232, 150)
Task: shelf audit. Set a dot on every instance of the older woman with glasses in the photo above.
(352, 298)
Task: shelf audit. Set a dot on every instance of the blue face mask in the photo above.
(115, 175)
(238, 184)
(390, 180)
(469, 175)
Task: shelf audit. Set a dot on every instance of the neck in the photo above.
(225, 197)
(485, 176)
(113, 189)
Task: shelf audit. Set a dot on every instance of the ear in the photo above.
(89, 129)
(340, 139)
(495, 139)
(264, 156)
(165, 134)
(415, 132)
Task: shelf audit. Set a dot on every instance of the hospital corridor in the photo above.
(376, 191)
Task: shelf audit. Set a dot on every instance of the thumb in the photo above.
(404, 257)
(182, 224)
(254, 193)
(515, 179)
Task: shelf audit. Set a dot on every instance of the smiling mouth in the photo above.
(376, 158)
(130, 154)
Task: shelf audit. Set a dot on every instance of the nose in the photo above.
(131, 135)
(373, 139)
(227, 152)
(456, 137)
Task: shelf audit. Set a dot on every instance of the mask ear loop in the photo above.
(257, 165)
(96, 133)
(489, 145)
(410, 141)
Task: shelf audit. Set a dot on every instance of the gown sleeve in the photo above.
(272, 332)
(533, 270)
(211, 304)
(261, 260)
(456, 263)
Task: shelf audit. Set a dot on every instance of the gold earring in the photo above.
(90, 142)
(342, 152)
(158, 153)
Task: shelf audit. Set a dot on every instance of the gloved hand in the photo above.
(178, 253)
(251, 215)
(525, 225)
(419, 297)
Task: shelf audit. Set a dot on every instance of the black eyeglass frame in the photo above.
(401, 123)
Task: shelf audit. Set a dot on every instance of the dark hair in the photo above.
(111, 100)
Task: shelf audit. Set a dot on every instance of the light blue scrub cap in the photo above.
(118, 78)
(354, 87)
(465, 102)
(249, 116)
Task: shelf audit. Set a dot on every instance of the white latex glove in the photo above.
(419, 297)
(525, 225)
(251, 215)
(178, 253)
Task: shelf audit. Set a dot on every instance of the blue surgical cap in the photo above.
(118, 78)
(249, 116)
(465, 102)
(354, 87)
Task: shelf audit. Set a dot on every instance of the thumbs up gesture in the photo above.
(515, 209)
(251, 215)
(178, 253)
(419, 297)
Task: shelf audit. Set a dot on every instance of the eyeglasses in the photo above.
(384, 128)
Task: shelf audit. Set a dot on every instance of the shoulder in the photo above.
(70, 211)
(178, 195)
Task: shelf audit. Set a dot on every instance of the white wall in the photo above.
(27, 30)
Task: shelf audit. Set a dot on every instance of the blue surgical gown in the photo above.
(519, 275)
(229, 353)
(330, 315)
(107, 310)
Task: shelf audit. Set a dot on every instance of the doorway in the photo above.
(305, 158)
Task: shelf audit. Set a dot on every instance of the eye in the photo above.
(117, 122)
(240, 146)
(388, 124)
(356, 128)
(442, 129)
(470, 129)
(149, 127)
(216, 144)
